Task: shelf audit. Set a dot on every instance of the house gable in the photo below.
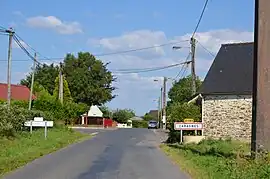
(231, 72)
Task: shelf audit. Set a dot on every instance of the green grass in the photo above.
(218, 159)
(25, 147)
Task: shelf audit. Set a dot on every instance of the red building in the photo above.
(18, 92)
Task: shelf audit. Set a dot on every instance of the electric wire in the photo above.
(200, 18)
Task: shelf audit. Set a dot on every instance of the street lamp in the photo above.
(176, 47)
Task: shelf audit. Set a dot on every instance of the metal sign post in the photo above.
(31, 127)
(45, 130)
(181, 136)
(187, 126)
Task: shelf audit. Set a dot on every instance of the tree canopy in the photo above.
(88, 79)
(181, 91)
(149, 117)
(66, 91)
(44, 75)
(123, 115)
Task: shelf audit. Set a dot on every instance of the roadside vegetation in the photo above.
(86, 81)
(211, 159)
(25, 147)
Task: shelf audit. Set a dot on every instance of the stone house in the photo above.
(226, 93)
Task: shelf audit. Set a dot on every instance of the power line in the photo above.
(184, 72)
(24, 49)
(148, 69)
(186, 62)
(202, 13)
(128, 51)
(211, 53)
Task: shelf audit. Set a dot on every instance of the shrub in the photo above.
(177, 113)
(139, 124)
(20, 103)
(12, 120)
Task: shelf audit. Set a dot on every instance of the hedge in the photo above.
(12, 120)
(177, 113)
(139, 124)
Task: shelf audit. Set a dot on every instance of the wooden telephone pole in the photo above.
(10, 33)
(164, 103)
(193, 74)
(61, 84)
(261, 78)
(32, 82)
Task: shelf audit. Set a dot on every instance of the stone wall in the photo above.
(227, 116)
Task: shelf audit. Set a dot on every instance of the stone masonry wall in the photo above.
(227, 116)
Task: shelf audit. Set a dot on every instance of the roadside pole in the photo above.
(164, 103)
(11, 33)
(32, 82)
(260, 139)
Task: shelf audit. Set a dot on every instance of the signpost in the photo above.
(187, 126)
(38, 122)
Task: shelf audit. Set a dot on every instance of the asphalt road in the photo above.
(118, 154)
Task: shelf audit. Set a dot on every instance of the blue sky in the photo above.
(55, 28)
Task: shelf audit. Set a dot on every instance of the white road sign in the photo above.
(39, 123)
(188, 126)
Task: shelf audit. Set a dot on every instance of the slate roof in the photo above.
(18, 92)
(231, 72)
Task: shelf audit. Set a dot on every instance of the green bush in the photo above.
(12, 120)
(68, 112)
(20, 103)
(222, 159)
(177, 113)
(139, 124)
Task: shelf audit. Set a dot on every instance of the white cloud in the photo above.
(53, 23)
(213, 39)
(132, 40)
(160, 56)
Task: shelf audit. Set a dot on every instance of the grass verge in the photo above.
(218, 159)
(25, 147)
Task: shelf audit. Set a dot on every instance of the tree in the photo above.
(89, 80)
(66, 91)
(44, 75)
(182, 90)
(148, 117)
(123, 115)
(177, 113)
(106, 111)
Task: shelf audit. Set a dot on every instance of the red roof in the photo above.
(18, 92)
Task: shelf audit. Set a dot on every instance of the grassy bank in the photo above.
(23, 148)
(218, 159)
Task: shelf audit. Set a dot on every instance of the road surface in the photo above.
(118, 154)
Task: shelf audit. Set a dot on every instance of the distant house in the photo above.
(154, 114)
(93, 117)
(226, 93)
(18, 92)
(136, 118)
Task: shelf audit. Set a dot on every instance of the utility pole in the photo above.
(164, 103)
(61, 84)
(193, 74)
(260, 139)
(160, 107)
(32, 82)
(10, 32)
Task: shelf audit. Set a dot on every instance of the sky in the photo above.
(55, 28)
